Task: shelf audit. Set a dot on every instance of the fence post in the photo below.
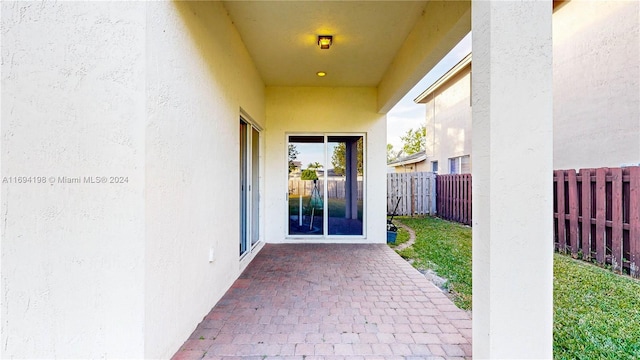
(586, 214)
(432, 193)
(573, 211)
(601, 178)
(562, 241)
(616, 219)
(634, 220)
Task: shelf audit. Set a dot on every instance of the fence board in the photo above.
(469, 197)
(561, 233)
(453, 197)
(616, 219)
(601, 210)
(634, 221)
(573, 211)
(416, 192)
(600, 214)
(586, 214)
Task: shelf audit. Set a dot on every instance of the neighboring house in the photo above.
(596, 84)
(448, 115)
(596, 93)
(186, 111)
(410, 163)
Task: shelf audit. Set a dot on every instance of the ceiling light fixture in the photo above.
(321, 73)
(325, 41)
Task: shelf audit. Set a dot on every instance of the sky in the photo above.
(409, 115)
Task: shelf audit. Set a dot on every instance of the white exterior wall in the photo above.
(199, 75)
(512, 187)
(151, 91)
(318, 110)
(448, 113)
(73, 94)
(596, 84)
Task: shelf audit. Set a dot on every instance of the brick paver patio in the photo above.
(331, 301)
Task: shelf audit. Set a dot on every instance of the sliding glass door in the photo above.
(325, 185)
(249, 186)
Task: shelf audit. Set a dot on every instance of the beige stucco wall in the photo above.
(596, 84)
(448, 115)
(149, 91)
(415, 167)
(199, 75)
(596, 94)
(318, 110)
(73, 95)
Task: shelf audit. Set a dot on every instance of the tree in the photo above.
(392, 155)
(310, 172)
(339, 157)
(414, 140)
(293, 155)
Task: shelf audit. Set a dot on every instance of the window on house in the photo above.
(465, 164)
(460, 165)
(434, 166)
(454, 165)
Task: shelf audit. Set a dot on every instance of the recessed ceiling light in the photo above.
(321, 73)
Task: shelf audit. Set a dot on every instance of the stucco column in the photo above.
(512, 180)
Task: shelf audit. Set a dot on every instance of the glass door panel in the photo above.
(244, 182)
(306, 185)
(344, 185)
(249, 186)
(255, 186)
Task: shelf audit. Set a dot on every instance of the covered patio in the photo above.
(189, 108)
(331, 301)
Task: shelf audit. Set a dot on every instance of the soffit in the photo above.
(281, 37)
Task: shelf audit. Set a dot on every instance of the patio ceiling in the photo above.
(281, 37)
(390, 45)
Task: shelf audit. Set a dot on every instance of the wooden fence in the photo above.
(597, 216)
(415, 191)
(453, 197)
(335, 188)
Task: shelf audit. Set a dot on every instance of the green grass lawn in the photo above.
(445, 248)
(596, 312)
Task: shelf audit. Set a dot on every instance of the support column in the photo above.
(512, 180)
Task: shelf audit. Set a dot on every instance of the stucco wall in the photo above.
(415, 167)
(149, 91)
(73, 93)
(318, 110)
(448, 114)
(199, 75)
(596, 89)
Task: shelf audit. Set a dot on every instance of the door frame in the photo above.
(327, 156)
(248, 212)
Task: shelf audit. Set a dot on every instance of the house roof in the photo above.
(409, 159)
(462, 64)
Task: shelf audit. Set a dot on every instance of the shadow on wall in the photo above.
(194, 15)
